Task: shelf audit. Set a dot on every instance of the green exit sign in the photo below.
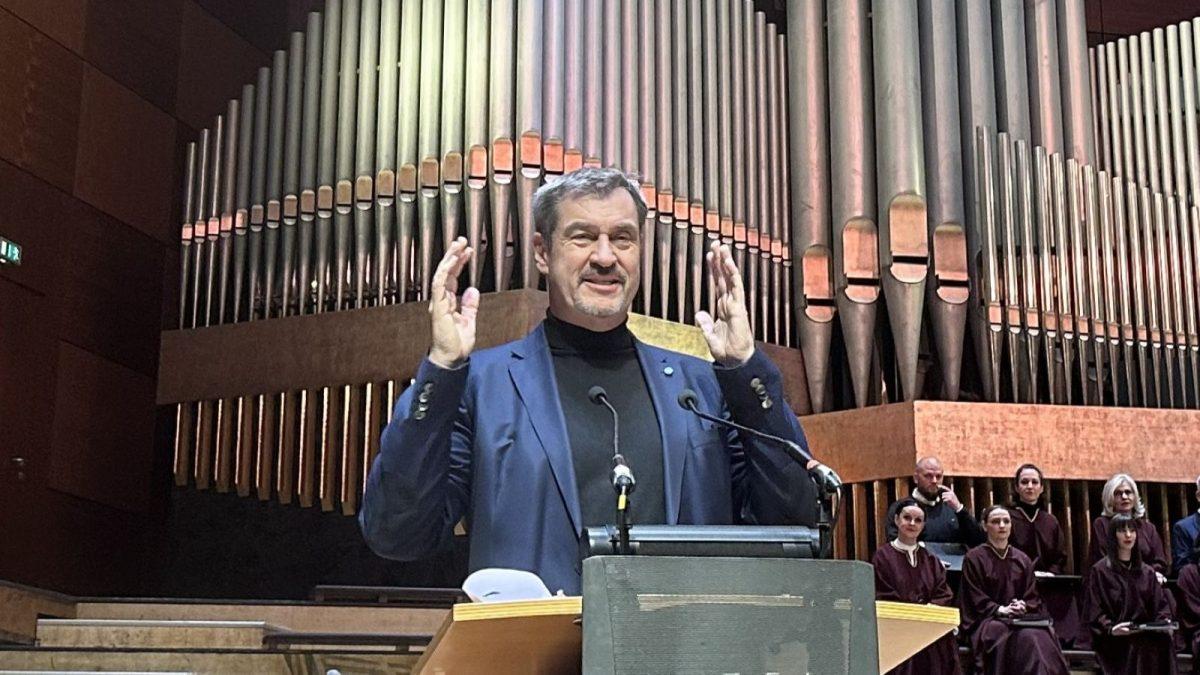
(10, 252)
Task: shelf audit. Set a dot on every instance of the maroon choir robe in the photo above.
(1149, 543)
(1041, 538)
(989, 582)
(896, 578)
(1117, 593)
(1189, 607)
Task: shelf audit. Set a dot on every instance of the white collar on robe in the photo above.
(910, 551)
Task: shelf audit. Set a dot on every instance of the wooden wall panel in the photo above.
(90, 157)
(136, 42)
(992, 439)
(260, 23)
(214, 63)
(110, 300)
(103, 279)
(1128, 17)
(96, 454)
(125, 164)
(61, 20)
(27, 367)
(39, 107)
(27, 370)
(28, 207)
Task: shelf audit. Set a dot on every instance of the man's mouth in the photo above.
(603, 284)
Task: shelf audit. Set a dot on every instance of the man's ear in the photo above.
(539, 253)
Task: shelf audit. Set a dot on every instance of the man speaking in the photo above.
(508, 439)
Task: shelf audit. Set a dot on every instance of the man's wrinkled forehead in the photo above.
(591, 212)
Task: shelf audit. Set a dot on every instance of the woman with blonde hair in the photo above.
(1121, 496)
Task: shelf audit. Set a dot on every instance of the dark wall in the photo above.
(97, 98)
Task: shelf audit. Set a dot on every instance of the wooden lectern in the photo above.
(721, 615)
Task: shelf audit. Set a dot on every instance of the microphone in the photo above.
(825, 477)
(622, 475)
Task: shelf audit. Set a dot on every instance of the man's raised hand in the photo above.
(452, 321)
(729, 337)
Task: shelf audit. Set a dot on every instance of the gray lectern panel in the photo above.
(728, 615)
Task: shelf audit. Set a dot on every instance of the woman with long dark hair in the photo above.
(906, 572)
(1122, 595)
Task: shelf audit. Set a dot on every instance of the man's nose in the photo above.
(604, 255)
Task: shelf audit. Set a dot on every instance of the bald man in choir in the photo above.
(1120, 496)
(1123, 596)
(946, 521)
(1189, 604)
(906, 572)
(1001, 609)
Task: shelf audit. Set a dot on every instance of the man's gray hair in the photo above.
(585, 182)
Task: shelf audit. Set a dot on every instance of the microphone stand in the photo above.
(828, 483)
(623, 521)
(622, 476)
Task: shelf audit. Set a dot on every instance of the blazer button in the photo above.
(755, 383)
(427, 388)
(419, 415)
(423, 397)
(767, 403)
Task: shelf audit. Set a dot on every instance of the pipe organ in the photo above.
(928, 198)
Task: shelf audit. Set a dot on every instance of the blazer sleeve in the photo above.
(769, 487)
(420, 484)
(1182, 543)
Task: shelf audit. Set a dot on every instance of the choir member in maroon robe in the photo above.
(1122, 592)
(1037, 534)
(1189, 605)
(906, 572)
(1121, 496)
(998, 595)
(1035, 531)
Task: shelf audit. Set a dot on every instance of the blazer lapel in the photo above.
(532, 374)
(664, 379)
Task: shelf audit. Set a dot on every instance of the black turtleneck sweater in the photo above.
(583, 359)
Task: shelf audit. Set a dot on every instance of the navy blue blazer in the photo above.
(487, 443)
(1184, 536)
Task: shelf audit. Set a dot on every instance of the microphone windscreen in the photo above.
(687, 399)
(597, 394)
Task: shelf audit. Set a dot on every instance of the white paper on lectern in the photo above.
(496, 584)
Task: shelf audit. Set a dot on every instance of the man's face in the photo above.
(593, 261)
(928, 478)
